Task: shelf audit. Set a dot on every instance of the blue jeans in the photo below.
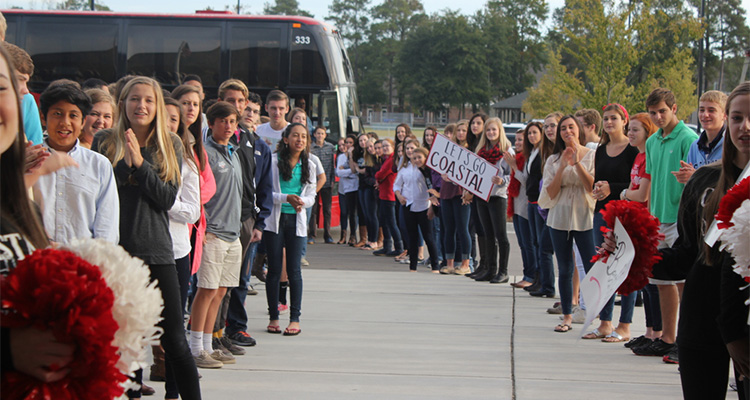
(562, 242)
(628, 302)
(387, 211)
(456, 221)
(275, 244)
(309, 217)
(543, 249)
(523, 235)
(236, 314)
(367, 200)
(437, 232)
(651, 307)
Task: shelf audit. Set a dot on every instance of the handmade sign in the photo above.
(462, 166)
(605, 277)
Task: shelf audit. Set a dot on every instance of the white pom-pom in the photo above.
(736, 239)
(138, 302)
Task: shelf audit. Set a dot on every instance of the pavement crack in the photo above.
(513, 347)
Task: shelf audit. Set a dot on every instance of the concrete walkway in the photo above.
(373, 330)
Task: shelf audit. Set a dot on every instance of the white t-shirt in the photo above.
(318, 165)
(592, 145)
(270, 135)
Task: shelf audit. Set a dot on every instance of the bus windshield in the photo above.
(297, 55)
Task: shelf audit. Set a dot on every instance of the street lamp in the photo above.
(744, 66)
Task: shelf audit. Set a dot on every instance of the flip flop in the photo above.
(614, 337)
(292, 332)
(595, 334)
(563, 328)
(273, 329)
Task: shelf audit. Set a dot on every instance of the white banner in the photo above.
(603, 279)
(462, 166)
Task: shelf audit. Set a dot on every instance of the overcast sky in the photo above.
(319, 8)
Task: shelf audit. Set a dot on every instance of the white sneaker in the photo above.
(222, 357)
(204, 360)
(579, 315)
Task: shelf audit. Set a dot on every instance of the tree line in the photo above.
(593, 53)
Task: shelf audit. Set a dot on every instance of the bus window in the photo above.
(327, 103)
(10, 33)
(168, 53)
(341, 63)
(308, 67)
(74, 51)
(255, 54)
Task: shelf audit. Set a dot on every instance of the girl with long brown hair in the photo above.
(147, 159)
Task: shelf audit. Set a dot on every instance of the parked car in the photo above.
(512, 128)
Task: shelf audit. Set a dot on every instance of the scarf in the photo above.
(514, 187)
(491, 155)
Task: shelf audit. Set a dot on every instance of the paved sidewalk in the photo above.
(373, 330)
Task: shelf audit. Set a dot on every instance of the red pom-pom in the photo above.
(58, 291)
(731, 201)
(643, 229)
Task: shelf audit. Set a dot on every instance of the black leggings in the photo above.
(492, 217)
(177, 352)
(350, 201)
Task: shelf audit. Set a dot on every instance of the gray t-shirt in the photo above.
(224, 210)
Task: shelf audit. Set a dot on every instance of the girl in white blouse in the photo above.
(566, 192)
(412, 189)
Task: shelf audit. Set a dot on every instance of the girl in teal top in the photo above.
(292, 186)
(286, 228)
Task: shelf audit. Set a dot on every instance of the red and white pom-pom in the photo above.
(138, 302)
(643, 229)
(57, 291)
(733, 220)
(736, 240)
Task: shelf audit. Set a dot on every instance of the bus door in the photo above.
(325, 106)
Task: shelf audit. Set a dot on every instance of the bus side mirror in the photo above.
(353, 126)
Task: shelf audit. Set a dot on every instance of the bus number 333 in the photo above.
(302, 40)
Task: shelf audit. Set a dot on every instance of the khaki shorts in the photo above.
(671, 234)
(220, 265)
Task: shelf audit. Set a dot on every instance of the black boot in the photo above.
(482, 268)
(484, 276)
(500, 277)
(490, 255)
(502, 270)
(488, 273)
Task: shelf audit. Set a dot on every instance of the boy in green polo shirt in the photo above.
(664, 151)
